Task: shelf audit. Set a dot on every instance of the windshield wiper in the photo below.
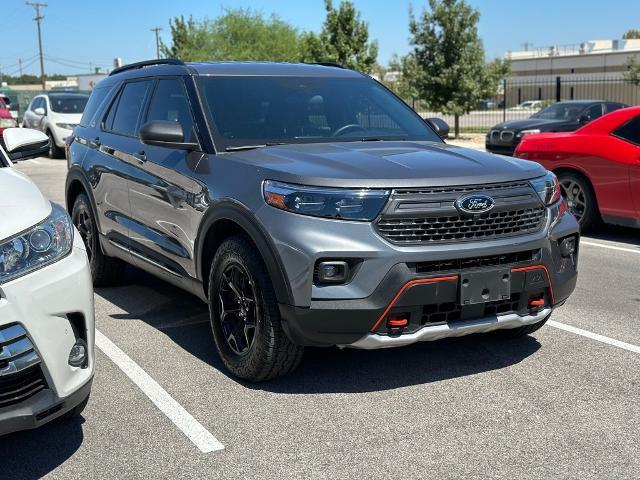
(252, 147)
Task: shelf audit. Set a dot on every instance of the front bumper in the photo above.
(355, 314)
(49, 309)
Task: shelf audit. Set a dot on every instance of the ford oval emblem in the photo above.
(475, 204)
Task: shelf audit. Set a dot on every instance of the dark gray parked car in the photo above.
(310, 206)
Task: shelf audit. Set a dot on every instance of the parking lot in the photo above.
(562, 403)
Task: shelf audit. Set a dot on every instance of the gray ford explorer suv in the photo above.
(309, 206)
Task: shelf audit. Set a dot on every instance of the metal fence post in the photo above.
(504, 99)
(558, 88)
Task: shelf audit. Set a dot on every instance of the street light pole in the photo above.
(38, 19)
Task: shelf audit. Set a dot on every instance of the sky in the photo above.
(80, 34)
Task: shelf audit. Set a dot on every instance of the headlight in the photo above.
(41, 245)
(7, 122)
(66, 126)
(528, 132)
(547, 188)
(347, 204)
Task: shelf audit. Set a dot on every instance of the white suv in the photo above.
(47, 323)
(56, 114)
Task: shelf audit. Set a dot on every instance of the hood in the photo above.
(527, 123)
(385, 164)
(66, 117)
(22, 205)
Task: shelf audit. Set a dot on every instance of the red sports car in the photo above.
(598, 167)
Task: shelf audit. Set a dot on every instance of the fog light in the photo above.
(78, 354)
(333, 272)
(568, 246)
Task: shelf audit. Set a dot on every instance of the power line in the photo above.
(157, 30)
(38, 18)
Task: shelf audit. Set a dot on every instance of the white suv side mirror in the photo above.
(39, 111)
(23, 143)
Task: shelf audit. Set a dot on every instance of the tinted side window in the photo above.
(169, 102)
(127, 111)
(630, 131)
(613, 106)
(96, 98)
(593, 112)
(37, 102)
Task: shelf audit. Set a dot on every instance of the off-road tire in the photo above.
(271, 353)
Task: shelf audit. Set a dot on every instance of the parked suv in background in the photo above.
(310, 206)
(56, 114)
(559, 117)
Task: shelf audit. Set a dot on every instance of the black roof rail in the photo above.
(147, 63)
(327, 64)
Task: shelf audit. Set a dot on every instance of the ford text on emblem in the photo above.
(475, 204)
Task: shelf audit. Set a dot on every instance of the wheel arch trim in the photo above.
(236, 212)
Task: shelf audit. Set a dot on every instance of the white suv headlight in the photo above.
(39, 246)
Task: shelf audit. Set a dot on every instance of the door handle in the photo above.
(140, 156)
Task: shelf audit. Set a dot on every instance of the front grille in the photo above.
(451, 312)
(20, 373)
(20, 386)
(504, 136)
(427, 215)
(486, 226)
(514, 258)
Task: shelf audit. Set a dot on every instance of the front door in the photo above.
(165, 200)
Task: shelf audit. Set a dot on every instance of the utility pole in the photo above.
(38, 19)
(157, 30)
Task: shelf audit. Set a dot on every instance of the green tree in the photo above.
(406, 87)
(631, 34)
(452, 74)
(632, 75)
(239, 34)
(344, 39)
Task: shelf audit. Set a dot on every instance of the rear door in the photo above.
(162, 190)
(629, 134)
(110, 160)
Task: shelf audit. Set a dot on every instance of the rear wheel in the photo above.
(245, 318)
(105, 271)
(580, 199)
(54, 150)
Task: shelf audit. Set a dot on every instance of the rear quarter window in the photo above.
(630, 131)
(95, 100)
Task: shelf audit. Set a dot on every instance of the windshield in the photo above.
(68, 104)
(560, 111)
(262, 110)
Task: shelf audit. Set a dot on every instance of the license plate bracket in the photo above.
(485, 286)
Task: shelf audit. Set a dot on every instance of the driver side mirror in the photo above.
(40, 111)
(439, 125)
(164, 133)
(24, 143)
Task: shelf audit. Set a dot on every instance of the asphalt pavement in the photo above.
(562, 403)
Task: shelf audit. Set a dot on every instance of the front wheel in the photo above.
(244, 314)
(54, 150)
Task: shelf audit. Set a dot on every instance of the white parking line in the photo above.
(611, 247)
(193, 429)
(594, 336)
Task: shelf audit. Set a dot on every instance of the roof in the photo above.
(176, 67)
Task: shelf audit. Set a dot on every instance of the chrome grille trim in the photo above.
(17, 353)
